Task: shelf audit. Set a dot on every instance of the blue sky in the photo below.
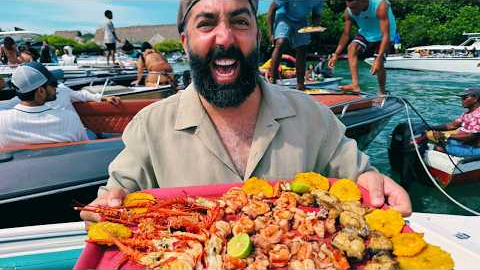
(47, 16)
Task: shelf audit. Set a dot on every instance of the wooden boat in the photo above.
(49, 177)
(446, 169)
(58, 246)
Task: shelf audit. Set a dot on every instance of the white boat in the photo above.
(461, 58)
(20, 36)
(58, 246)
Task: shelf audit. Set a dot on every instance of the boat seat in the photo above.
(109, 88)
(103, 117)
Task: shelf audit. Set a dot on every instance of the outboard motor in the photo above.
(402, 155)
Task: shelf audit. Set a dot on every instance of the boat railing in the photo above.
(348, 106)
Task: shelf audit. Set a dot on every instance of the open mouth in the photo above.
(225, 70)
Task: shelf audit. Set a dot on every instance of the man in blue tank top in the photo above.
(285, 18)
(377, 29)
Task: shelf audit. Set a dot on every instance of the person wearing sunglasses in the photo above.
(462, 136)
(31, 121)
(377, 28)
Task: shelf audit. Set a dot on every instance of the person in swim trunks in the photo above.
(377, 29)
(160, 72)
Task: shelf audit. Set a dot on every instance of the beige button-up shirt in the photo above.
(173, 142)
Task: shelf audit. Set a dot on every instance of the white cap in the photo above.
(27, 79)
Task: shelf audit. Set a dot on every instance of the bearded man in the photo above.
(229, 125)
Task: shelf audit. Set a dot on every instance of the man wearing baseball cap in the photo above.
(230, 125)
(466, 141)
(31, 121)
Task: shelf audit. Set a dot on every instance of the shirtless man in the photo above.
(9, 52)
(377, 29)
(160, 71)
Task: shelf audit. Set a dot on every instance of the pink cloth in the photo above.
(99, 257)
(470, 121)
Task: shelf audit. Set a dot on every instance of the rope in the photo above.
(405, 103)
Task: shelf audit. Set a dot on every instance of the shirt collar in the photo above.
(30, 109)
(190, 111)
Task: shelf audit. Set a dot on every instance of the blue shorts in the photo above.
(285, 28)
(459, 149)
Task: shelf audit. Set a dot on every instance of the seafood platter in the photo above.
(310, 222)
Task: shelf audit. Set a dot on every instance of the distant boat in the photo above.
(462, 58)
(20, 36)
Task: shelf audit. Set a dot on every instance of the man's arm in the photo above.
(345, 160)
(140, 69)
(449, 126)
(382, 15)
(272, 10)
(347, 28)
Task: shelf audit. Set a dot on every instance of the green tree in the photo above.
(169, 45)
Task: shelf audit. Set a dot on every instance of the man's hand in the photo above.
(112, 198)
(332, 61)
(381, 187)
(439, 136)
(377, 63)
(112, 100)
(272, 40)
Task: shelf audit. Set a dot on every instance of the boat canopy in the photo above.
(20, 35)
(472, 42)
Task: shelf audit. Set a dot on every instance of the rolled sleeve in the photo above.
(132, 169)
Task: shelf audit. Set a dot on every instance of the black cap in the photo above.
(186, 6)
(470, 91)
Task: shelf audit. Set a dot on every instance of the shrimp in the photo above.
(306, 199)
(231, 263)
(272, 234)
(214, 246)
(221, 228)
(260, 262)
(261, 222)
(243, 225)
(279, 256)
(256, 208)
(287, 200)
(235, 199)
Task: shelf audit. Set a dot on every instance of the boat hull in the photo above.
(466, 65)
(76, 170)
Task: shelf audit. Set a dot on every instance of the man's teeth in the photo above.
(224, 62)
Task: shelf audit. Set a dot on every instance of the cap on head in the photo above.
(470, 91)
(30, 76)
(187, 5)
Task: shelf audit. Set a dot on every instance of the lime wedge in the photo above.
(240, 246)
(299, 187)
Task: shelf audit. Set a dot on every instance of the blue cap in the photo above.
(470, 91)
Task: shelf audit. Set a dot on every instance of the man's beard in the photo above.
(229, 94)
(50, 97)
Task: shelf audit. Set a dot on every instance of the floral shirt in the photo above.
(470, 121)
